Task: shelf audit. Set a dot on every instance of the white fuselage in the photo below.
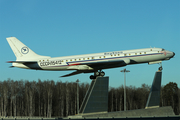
(85, 62)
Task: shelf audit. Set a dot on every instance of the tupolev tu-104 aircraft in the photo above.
(88, 63)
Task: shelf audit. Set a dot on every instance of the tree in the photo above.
(47, 98)
(50, 94)
(5, 97)
(39, 90)
(170, 96)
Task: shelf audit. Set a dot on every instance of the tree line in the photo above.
(48, 98)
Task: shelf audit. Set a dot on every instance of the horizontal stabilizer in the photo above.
(21, 61)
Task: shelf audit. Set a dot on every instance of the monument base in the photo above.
(153, 112)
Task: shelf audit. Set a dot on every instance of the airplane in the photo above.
(88, 63)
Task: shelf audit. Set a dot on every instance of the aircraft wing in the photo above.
(97, 65)
(125, 60)
(73, 73)
(109, 63)
(78, 72)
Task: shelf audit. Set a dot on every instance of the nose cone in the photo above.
(173, 54)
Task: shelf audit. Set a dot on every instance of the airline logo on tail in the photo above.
(24, 50)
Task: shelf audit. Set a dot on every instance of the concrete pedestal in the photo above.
(154, 95)
(96, 99)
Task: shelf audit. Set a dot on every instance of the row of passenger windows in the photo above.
(99, 57)
(90, 58)
(135, 53)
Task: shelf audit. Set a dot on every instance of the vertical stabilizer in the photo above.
(21, 51)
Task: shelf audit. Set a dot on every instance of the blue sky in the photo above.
(71, 27)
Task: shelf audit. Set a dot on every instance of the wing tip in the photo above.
(9, 61)
(73, 73)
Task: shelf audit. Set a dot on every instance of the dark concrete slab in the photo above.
(160, 111)
(128, 118)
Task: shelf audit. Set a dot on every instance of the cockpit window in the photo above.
(163, 49)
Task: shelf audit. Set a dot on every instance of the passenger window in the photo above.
(104, 56)
(135, 53)
(124, 54)
(79, 59)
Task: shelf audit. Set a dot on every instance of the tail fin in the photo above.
(21, 51)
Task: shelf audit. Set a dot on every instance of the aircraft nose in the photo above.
(173, 54)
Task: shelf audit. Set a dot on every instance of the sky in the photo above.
(72, 27)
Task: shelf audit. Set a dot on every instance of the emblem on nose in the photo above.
(164, 52)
